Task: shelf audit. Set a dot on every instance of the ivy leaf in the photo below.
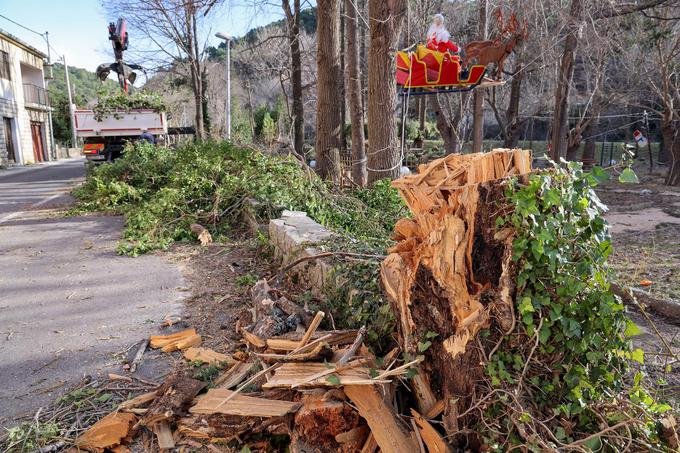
(593, 444)
(422, 347)
(628, 176)
(638, 355)
(430, 335)
(411, 373)
(632, 329)
(600, 174)
(333, 379)
(246, 449)
(551, 198)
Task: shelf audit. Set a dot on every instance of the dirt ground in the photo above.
(645, 224)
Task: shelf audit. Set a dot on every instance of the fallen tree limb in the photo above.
(139, 355)
(662, 307)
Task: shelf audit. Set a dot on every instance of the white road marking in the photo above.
(13, 215)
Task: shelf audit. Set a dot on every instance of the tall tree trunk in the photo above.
(386, 17)
(589, 148)
(422, 112)
(478, 111)
(448, 128)
(513, 123)
(194, 66)
(671, 148)
(356, 111)
(564, 79)
(329, 75)
(293, 25)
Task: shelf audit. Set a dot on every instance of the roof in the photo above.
(19, 43)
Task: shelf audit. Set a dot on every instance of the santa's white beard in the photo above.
(438, 33)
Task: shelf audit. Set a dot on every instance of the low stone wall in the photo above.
(63, 153)
(293, 236)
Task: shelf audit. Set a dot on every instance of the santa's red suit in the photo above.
(439, 38)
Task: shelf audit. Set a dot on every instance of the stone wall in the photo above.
(294, 236)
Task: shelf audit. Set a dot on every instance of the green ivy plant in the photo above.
(569, 352)
(110, 102)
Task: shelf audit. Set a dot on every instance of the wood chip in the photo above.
(163, 435)
(287, 344)
(253, 339)
(107, 432)
(352, 436)
(312, 328)
(207, 356)
(390, 436)
(137, 401)
(432, 439)
(234, 376)
(245, 406)
(158, 341)
(118, 377)
(193, 340)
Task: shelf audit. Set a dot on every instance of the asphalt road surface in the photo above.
(69, 306)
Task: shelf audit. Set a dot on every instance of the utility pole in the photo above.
(53, 149)
(74, 139)
(227, 40)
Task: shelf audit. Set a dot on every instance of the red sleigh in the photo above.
(427, 71)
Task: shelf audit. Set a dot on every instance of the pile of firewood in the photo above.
(449, 276)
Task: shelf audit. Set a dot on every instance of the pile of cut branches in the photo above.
(110, 102)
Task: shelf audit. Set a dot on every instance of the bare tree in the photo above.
(478, 111)
(329, 86)
(172, 30)
(298, 110)
(353, 77)
(386, 18)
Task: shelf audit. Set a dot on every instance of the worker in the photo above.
(148, 137)
(439, 38)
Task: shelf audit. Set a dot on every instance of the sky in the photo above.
(78, 28)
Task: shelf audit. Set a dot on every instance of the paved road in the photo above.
(68, 304)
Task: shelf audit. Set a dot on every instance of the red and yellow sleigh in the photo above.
(427, 71)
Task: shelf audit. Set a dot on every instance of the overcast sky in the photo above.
(78, 28)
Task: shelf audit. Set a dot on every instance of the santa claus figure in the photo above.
(438, 37)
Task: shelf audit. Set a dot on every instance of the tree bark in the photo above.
(564, 79)
(589, 148)
(513, 123)
(448, 128)
(478, 111)
(386, 18)
(195, 66)
(329, 79)
(671, 145)
(356, 111)
(293, 25)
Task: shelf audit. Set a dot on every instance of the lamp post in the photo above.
(227, 40)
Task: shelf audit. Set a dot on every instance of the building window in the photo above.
(4, 65)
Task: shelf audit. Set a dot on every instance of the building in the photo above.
(25, 132)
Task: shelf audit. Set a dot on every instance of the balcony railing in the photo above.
(33, 94)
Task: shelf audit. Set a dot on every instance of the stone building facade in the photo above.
(25, 129)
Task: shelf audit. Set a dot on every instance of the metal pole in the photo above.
(228, 41)
(74, 139)
(49, 107)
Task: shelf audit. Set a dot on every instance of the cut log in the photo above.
(253, 339)
(176, 341)
(243, 405)
(207, 356)
(323, 419)
(107, 432)
(201, 233)
(291, 375)
(173, 399)
(390, 435)
(292, 342)
(432, 439)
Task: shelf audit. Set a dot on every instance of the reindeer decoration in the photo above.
(497, 50)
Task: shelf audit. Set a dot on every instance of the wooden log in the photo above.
(242, 405)
(389, 433)
(432, 439)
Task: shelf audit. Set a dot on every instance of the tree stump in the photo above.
(451, 273)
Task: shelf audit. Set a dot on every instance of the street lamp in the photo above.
(227, 40)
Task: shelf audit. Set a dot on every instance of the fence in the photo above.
(33, 94)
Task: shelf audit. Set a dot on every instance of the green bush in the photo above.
(162, 192)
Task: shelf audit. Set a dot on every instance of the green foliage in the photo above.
(111, 101)
(30, 436)
(208, 373)
(246, 280)
(162, 192)
(268, 132)
(575, 351)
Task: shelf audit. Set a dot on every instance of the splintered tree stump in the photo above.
(451, 272)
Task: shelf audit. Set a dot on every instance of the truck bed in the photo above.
(121, 123)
